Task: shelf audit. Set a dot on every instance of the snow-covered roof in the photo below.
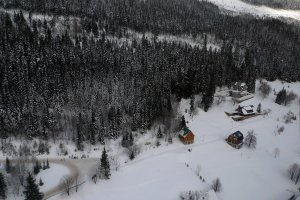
(185, 131)
(248, 107)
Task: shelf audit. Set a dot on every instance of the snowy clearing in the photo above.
(52, 176)
(238, 6)
(166, 171)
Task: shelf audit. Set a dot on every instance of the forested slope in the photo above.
(94, 88)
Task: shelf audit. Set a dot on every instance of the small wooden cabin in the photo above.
(186, 136)
(235, 139)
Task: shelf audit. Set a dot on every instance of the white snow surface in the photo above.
(166, 171)
(52, 176)
(237, 6)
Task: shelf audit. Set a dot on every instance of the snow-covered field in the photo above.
(238, 6)
(164, 172)
(51, 177)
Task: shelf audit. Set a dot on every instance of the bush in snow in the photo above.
(290, 97)
(193, 195)
(280, 98)
(250, 140)
(289, 117)
(285, 98)
(276, 152)
(264, 89)
(280, 130)
(216, 185)
(294, 172)
(133, 151)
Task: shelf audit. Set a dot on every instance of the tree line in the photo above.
(91, 88)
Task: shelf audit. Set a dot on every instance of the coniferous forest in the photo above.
(81, 82)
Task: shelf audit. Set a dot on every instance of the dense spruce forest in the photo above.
(82, 83)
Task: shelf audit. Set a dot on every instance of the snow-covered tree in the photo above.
(264, 89)
(104, 166)
(216, 185)
(250, 140)
(31, 190)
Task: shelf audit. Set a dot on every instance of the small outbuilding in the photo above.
(235, 139)
(186, 136)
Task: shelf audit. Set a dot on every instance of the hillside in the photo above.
(164, 172)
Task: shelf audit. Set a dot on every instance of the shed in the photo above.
(186, 136)
(235, 139)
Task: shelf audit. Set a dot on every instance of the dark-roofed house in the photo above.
(235, 139)
(186, 136)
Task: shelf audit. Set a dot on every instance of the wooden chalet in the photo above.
(246, 110)
(235, 139)
(186, 136)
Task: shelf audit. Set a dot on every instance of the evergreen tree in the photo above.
(31, 190)
(192, 106)
(3, 187)
(36, 168)
(79, 138)
(132, 156)
(7, 165)
(208, 97)
(47, 164)
(183, 122)
(41, 183)
(281, 97)
(258, 109)
(104, 165)
(93, 129)
(159, 133)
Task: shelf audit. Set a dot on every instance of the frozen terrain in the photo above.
(164, 172)
(238, 6)
(52, 176)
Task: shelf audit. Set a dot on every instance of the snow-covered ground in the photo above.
(166, 171)
(237, 6)
(51, 177)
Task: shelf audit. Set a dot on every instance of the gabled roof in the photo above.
(185, 131)
(238, 135)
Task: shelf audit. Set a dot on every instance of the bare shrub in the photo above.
(216, 185)
(66, 183)
(264, 89)
(289, 117)
(115, 162)
(250, 140)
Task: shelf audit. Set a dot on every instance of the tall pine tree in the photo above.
(104, 166)
(31, 190)
(3, 187)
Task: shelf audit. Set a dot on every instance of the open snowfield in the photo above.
(52, 176)
(164, 172)
(238, 6)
